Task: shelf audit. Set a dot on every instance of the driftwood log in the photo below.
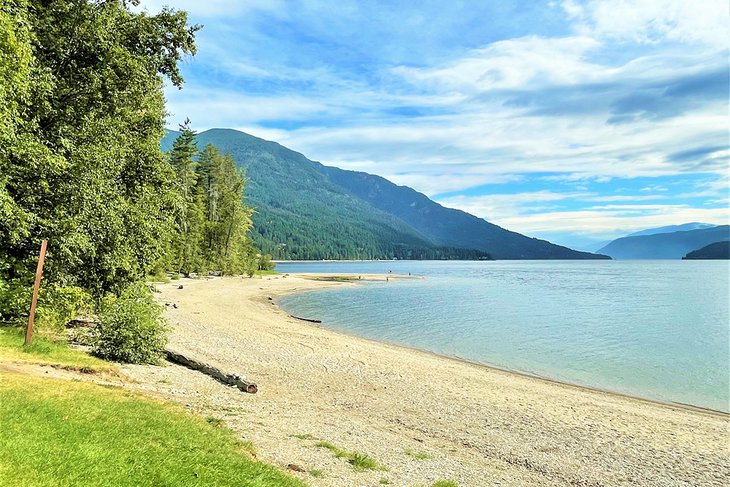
(305, 319)
(217, 374)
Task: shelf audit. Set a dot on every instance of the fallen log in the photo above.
(305, 319)
(217, 374)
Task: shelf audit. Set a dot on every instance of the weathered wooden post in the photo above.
(36, 287)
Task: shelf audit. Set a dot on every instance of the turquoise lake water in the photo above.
(652, 329)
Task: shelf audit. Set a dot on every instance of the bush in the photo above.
(57, 305)
(265, 263)
(14, 301)
(131, 328)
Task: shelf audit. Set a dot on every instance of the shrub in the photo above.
(131, 328)
(57, 305)
(14, 301)
(265, 263)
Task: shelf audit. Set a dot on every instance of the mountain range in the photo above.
(305, 210)
(684, 227)
(668, 245)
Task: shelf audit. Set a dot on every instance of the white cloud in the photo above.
(652, 21)
(513, 107)
(210, 108)
(513, 63)
(612, 222)
(543, 212)
(495, 207)
(459, 151)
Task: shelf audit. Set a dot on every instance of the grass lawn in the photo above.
(68, 433)
(57, 432)
(43, 350)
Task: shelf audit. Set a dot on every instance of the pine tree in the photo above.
(190, 216)
(227, 219)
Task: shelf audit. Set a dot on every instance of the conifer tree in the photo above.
(190, 218)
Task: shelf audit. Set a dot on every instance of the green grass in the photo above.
(384, 481)
(418, 455)
(266, 273)
(44, 350)
(359, 461)
(64, 433)
(335, 278)
(305, 436)
(444, 483)
(213, 421)
(315, 473)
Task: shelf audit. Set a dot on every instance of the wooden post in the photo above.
(36, 287)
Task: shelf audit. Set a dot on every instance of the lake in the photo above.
(651, 329)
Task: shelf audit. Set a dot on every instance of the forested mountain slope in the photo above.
(447, 226)
(305, 210)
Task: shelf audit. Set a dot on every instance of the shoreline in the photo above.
(423, 416)
(476, 363)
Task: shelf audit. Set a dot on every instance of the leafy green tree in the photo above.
(82, 117)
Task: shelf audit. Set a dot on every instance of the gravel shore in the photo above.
(422, 417)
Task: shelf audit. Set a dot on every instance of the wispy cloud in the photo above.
(610, 223)
(652, 21)
(585, 97)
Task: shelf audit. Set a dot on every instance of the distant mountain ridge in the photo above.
(671, 245)
(672, 228)
(305, 210)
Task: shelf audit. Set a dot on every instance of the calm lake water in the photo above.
(653, 329)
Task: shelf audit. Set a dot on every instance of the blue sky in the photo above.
(555, 119)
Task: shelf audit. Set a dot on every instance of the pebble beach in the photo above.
(421, 417)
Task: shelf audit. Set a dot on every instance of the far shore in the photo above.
(422, 416)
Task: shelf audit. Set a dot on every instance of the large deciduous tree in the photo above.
(81, 118)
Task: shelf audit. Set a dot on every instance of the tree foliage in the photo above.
(187, 238)
(81, 118)
(81, 164)
(212, 221)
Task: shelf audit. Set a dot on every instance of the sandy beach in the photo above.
(421, 416)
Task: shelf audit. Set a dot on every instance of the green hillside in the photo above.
(305, 210)
(447, 226)
(301, 214)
